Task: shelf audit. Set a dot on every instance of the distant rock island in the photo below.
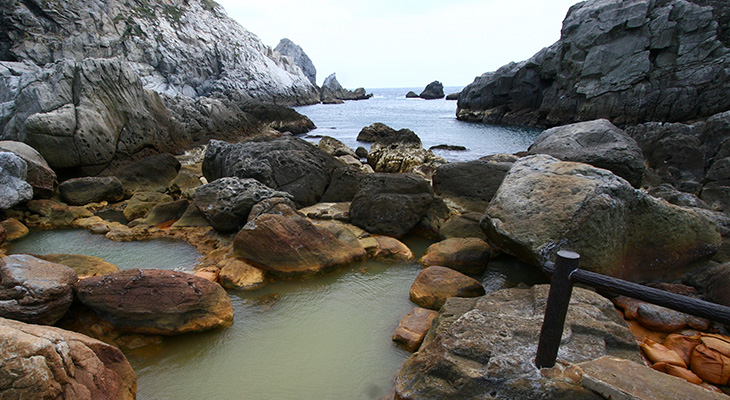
(627, 61)
(434, 90)
(333, 93)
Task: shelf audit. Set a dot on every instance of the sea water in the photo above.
(434, 121)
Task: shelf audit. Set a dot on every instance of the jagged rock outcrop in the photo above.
(434, 90)
(332, 92)
(626, 61)
(85, 83)
(43, 362)
(288, 48)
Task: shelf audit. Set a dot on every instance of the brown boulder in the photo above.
(413, 328)
(42, 362)
(15, 229)
(158, 302)
(142, 202)
(388, 249)
(54, 215)
(466, 255)
(34, 290)
(84, 266)
(237, 274)
(292, 246)
(3, 235)
(436, 284)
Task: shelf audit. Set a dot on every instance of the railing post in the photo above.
(556, 309)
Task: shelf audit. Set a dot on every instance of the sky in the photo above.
(405, 43)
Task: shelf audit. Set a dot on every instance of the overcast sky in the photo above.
(405, 43)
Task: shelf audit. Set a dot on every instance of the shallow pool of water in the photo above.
(155, 253)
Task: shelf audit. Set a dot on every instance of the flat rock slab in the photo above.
(619, 379)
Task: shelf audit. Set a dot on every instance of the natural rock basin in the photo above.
(155, 253)
(327, 337)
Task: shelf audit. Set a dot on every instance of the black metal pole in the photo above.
(556, 309)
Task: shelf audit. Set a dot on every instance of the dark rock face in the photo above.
(283, 119)
(434, 90)
(390, 204)
(412, 95)
(226, 202)
(286, 163)
(629, 62)
(34, 290)
(485, 347)
(152, 173)
(92, 189)
(473, 181)
(333, 92)
(598, 143)
(44, 362)
(13, 187)
(287, 48)
(157, 302)
(40, 175)
(379, 132)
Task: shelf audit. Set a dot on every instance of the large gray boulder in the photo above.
(472, 182)
(13, 187)
(226, 202)
(285, 163)
(40, 175)
(626, 61)
(485, 347)
(599, 143)
(91, 189)
(545, 205)
(390, 204)
(288, 48)
(34, 290)
(44, 362)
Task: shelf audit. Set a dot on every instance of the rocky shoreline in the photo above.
(93, 138)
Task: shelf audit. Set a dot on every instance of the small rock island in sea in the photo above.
(128, 113)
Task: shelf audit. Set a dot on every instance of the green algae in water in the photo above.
(154, 253)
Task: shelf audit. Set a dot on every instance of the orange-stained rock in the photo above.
(434, 285)
(158, 302)
(42, 362)
(682, 345)
(466, 255)
(208, 273)
(390, 249)
(292, 246)
(15, 229)
(658, 353)
(84, 265)
(238, 274)
(413, 328)
(710, 365)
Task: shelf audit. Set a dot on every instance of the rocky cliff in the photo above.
(88, 83)
(628, 61)
(288, 48)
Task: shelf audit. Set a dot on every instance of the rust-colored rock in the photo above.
(466, 255)
(33, 290)
(84, 265)
(389, 249)
(436, 284)
(15, 229)
(292, 246)
(158, 302)
(42, 362)
(238, 274)
(413, 328)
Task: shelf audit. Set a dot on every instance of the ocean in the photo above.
(434, 121)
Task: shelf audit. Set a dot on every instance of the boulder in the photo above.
(628, 62)
(413, 327)
(448, 147)
(434, 90)
(84, 266)
(411, 95)
(152, 173)
(453, 96)
(337, 211)
(473, 182)
(237, 274)
(335, 147)
(390, 204)
(187, 179)
(387, 249)
(466, 255)
(13, 187)
(157, 302)
(292, 246)
(344, 184)
(434, 285)
(34, 290)
(545, 205)
(14, 229)
(401, 157)
(379, 132)
(288, 48)
(226, 202)
(92, 189)
(462, 226)
(40, 175)
(50, 214)
(285, 163)
(142, 202)
(163, 213)
(280, 118)
(276, 205)
(361, 152)
(599, 143)
(191, 217)
(485, 347)
(43, 362)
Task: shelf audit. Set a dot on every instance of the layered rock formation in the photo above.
(628, 61)
(288, 48)
(88, 83)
